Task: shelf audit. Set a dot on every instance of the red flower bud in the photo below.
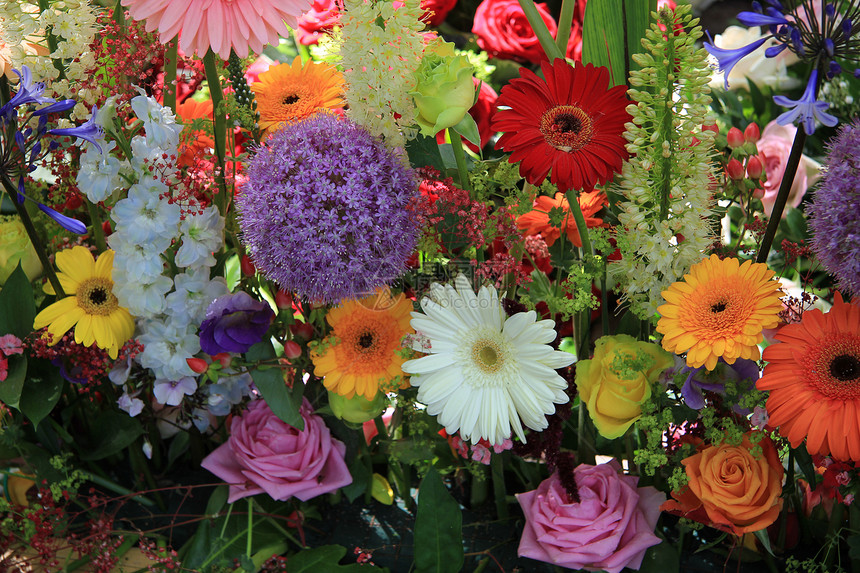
(713, 127)
(302, 330)
(292, 350)
(752, 133)
(283, 299)
(735, 169)
(247, 266)
(755, 168)
(224, 358)
(735, 137)
(198, 365)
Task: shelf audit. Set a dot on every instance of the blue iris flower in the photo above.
(807, 109)
(756, 19)
(28, 92)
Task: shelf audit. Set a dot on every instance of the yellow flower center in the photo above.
(95, 296)
(566, 127)
(487, 355)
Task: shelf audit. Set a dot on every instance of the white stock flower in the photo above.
(166, 347)
(99, 175)
(202, 235)
(145, 217)
(194, 291)
(159, 122)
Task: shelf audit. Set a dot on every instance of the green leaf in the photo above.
(178, 446)
(423, 151)
(325, 559)
(10, 389)
(360, 480)
(115, 431)
(763, 537)
(603, 39)
(270, 382)
(438, 528)
(41, 393)
(662, 558)
(17, 306)
(468, 129)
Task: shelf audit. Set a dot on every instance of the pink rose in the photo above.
(504, 32)
(609, 529)
(774, 147)
(265, 454)
(320, 19)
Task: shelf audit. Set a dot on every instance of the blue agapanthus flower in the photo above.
(807, 110)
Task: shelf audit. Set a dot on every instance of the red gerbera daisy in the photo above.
(569, 123)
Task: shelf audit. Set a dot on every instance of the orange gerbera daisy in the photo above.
(194, 143)
(363, 355)
(719, 310)
(290, 92)
(570, 123)
(537, 220)
(813, 378)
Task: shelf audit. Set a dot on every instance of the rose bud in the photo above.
(283, 299)
(198, 365)
(302, 330)
(755, 168)
(292, 350)
(752, 133)
(247, 266)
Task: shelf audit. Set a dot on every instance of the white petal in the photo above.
(426, 364)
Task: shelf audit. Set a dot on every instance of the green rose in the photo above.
(444, 90)
(358, 409)
(15, 247)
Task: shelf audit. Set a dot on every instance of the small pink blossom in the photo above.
(774, 148)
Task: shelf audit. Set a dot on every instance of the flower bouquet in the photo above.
(434, 286)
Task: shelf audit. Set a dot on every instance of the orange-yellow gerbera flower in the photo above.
(719, 310)
(364, 354)
(813, 377)
(537, 220)
(194, 143)
(90, 306)
(290, 92)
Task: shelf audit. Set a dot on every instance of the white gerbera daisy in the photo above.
(484, 372)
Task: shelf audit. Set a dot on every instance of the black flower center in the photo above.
(291, 99)
(845, 367)
(567, 123)
(98, 296)
(365, 340)
(718, 307)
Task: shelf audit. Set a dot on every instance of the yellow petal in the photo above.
(103, 334)
(84, 330)
(104, 266)
(55, 311)
(62, 324)
(77, 263)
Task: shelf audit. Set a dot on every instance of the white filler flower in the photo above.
(483, 372)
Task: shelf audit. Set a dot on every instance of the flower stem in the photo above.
(497, 468)
(565, 20)
(460, 158)
(170, 62)
(250, 526)
(579, 219)
(220, 127)
(540, 30)
(96, 222)
(34, 236)
(782, 196)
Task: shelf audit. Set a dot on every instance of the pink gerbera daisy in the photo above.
(219, 24)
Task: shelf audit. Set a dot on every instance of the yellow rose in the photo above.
(617, 380)
(15, 247)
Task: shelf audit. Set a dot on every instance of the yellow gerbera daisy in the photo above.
(363, 354)
(290, 92)
(91, 306)
(719, 309)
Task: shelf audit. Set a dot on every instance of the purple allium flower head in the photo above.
(234, 323)
(834, 216)
(325, 211)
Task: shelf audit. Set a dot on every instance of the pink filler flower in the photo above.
(609, 529)
(219, 24)
(774, 148)
(265, 454)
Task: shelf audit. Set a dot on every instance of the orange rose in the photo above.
(730, 488)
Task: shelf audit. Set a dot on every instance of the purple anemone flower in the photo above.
(700, 380)
(234, 323)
